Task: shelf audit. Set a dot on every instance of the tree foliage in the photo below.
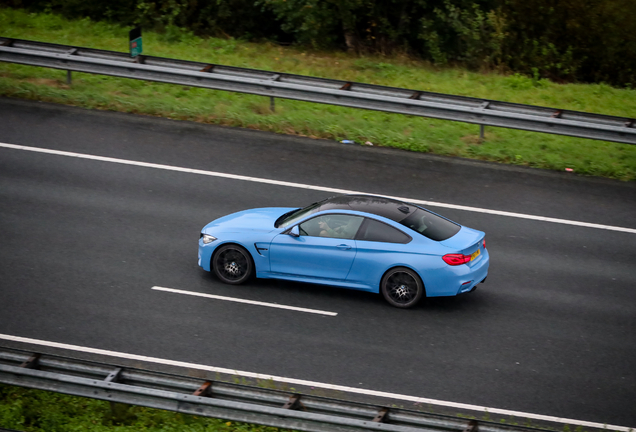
(591, 41)
(568, 40)
(441, 30)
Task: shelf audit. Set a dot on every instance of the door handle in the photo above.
(344, 246)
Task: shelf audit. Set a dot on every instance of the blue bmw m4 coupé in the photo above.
(362, 242)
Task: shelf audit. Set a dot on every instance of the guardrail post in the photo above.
(272, 108)
(119, 412)
(205, 390)
(380, 416)
(294, 403)
(32, 362)
(72, 51)
(473, 426)
(484, 106)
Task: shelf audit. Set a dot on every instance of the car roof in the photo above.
(389, 208)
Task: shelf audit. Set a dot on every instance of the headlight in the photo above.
(207, 239)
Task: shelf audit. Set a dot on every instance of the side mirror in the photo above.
(295, 231)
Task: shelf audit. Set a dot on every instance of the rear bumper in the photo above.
(453, 280)
(478, 274)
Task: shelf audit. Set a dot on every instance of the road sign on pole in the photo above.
(134, 36)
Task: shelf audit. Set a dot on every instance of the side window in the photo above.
(331, 225)
(373, 230)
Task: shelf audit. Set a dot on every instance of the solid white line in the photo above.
(316, 188)
(238, 300)
(259, 376)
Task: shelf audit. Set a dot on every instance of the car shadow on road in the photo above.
(325, 296)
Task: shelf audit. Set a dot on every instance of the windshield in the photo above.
(296, 215)
(430, 225)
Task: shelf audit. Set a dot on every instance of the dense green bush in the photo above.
(569, 40)
(590, 41)
(460, 31)
(234, 18)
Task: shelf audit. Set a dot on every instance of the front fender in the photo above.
(249, 242)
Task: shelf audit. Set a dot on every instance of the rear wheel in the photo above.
(232, 264)
(402, 287)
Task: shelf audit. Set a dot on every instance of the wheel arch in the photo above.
(417, 273)
(230, 243)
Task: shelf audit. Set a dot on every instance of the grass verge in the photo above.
(41, 411)
(588, 157)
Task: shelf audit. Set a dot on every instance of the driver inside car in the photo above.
(326, 230)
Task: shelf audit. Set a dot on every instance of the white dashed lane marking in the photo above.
(238, 300)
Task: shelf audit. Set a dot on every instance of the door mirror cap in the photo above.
(294, 231)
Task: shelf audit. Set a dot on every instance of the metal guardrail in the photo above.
(223, 400)
(310, 89)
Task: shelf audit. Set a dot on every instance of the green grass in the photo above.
(588, 157)
(29, 410)
(41, 411)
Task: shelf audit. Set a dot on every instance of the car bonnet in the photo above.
(260, 219)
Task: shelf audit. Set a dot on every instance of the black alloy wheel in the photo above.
(232, 264)
(402, 287)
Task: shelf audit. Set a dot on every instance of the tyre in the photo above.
(232, 264)
(402, 287)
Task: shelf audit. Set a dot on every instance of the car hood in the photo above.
(260, 219)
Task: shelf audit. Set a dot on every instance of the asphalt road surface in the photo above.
(84, 241)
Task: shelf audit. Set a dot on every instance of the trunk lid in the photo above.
(467, 241)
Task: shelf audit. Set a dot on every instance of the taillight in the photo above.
(484, 242)
(456, 259)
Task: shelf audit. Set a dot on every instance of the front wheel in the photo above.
(402, 287)
(232, 264)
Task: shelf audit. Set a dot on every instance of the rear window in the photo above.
(373, 230)
(430, 225)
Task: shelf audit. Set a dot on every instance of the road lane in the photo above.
(319, 162)
(429, 204)
(83, 241)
